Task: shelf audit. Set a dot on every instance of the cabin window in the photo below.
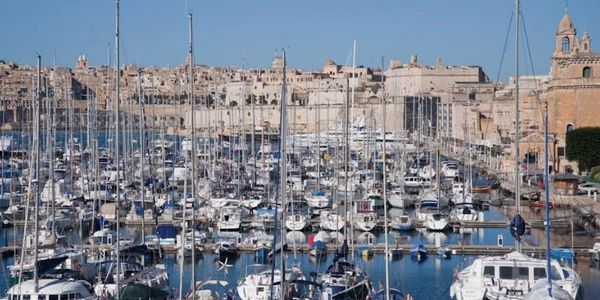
(523, 273)
(565, 44)
(555, 273)
(539, 273)
(506, 273)
(489, 271)
(587, 72)
(26, 297)
(52, 297)
(565, 273)
(64, 297)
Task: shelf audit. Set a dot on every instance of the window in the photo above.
(489, 271)
(566, 44)
(587, 72)
(52, 297)
(523, 273)
(539, 273)
(585, 46)
(506, 273)
(556, 273)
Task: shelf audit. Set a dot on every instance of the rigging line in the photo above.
(499, 69)
(537, 98)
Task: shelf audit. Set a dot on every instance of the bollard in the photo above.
(595, 197)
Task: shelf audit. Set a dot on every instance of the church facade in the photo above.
(573, 91)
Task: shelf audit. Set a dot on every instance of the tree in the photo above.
(233, 103)
(274, 102)
(583, 146)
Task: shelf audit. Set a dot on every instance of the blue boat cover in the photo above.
(319, 193)
(166, 231)
(517, 227)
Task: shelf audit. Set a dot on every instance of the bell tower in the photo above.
(566, 38)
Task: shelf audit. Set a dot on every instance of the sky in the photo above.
(248, 33)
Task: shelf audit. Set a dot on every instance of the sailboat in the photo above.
(514, 275)
(342, 279)
(258, 280)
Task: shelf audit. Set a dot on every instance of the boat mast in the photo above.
(117, 148)
(547, 192)
(37, 136)
(385, 212)
(517, 176)
(193, 158)
(142, 123)
(50, 140)
(346, 175)
(348, 115)
(283, 166)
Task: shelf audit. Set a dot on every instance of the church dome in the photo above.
(330, 62)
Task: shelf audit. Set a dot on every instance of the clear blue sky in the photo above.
(154, 32)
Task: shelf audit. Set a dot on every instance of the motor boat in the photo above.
(510, 276)
(51, 289)
(403, 223)
(257, 284)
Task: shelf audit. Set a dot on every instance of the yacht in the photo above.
(297, 215)
(464, 212)
(256, 285)
(343, 280)
(403, 223)
(105, 274)
(397, 199)
(318, 199)
(330, 220)
(510, 277)
(51, 289)
(450, 170)
(426, 206)
(436, 220)
(365, 217)
(230, 218)
(228, 245)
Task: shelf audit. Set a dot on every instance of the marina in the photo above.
(197, 182)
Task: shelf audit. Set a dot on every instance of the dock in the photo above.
(379, 248)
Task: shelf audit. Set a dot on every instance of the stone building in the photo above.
(573, 91)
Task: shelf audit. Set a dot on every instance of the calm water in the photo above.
(430, 279)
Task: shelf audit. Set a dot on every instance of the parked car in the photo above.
(587, 187)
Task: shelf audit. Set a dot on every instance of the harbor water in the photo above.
(427, 279)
